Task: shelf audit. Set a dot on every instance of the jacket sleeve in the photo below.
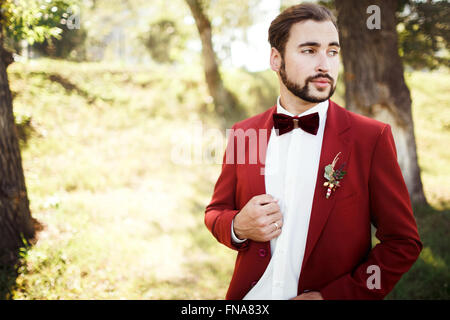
(392, 215)
(222, 209)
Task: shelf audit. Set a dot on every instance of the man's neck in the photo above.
(294, 104)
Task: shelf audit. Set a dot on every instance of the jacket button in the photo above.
(254, 283)
(262, 252)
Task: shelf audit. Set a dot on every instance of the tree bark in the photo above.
(374, 80)
(16, 223)
(224, 101)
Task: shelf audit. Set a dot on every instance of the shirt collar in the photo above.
(321, 108)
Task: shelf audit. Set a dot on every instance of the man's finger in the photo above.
(275, 233)
(265, 199)
(278, 223)
(271, 208)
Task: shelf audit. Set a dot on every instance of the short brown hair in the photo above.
(281, 26)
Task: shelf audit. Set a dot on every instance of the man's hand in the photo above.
(310, 295)
(259, 220)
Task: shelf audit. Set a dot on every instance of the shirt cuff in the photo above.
(233, 235)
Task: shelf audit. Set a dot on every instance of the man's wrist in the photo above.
(234, 237)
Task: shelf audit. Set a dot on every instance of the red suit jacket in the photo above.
(338, 250)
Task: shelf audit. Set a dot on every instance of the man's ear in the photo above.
(275, 59)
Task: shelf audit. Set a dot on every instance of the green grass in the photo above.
(122, 220)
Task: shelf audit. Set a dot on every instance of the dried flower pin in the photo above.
(333, 176)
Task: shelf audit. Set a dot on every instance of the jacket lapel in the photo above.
(336, 139)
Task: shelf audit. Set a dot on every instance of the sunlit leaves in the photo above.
(34, 20)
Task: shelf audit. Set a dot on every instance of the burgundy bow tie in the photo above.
(285, 123)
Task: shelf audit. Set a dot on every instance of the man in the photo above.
(302, 223)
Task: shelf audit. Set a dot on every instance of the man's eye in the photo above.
(334, 52)
(308, 51)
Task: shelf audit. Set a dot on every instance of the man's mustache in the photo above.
(320, 76)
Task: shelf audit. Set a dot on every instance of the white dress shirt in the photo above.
(292, 163)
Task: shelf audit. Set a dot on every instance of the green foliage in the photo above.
(424, 34)
(34, 20)
(164, 40)
(24, 126)
(70, 45)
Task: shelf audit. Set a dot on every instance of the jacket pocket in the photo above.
(347, 200)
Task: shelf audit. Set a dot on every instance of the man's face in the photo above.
(309, 69)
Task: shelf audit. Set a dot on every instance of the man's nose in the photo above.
(323, 63)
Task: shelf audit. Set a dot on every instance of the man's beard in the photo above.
(304, 92)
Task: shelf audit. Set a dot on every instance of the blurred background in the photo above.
(112, 131)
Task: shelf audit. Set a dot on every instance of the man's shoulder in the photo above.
(364, 123)
(255, 121)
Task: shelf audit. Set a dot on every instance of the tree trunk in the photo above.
(374, 80)
(16, 223)
(224, 100)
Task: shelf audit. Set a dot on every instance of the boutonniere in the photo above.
(333, 176)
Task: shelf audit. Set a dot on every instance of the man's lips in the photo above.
(321, 80)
